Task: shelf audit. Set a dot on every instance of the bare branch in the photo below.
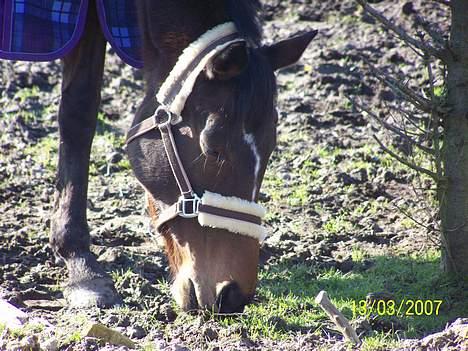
(402, 89)
(434, 34)
(401, 33)
(435, 119)
(407, 117)
(410, 117)
(408, 215)
(392, 128)
(405, 161)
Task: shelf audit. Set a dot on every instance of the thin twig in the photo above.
(405, 161)
(444, 2)
(435, 119)
(391, 127)
(434, 34)
(410, 117)
(337, 317)
(406, 214)
(401, 33)
(401, 89)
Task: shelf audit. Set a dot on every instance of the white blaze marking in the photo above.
(250, 141)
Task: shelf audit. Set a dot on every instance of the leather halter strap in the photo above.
(173, 92)
(189, 204)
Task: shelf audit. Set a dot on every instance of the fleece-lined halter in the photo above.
(212, 210)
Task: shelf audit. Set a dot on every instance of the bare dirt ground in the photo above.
(331, 193)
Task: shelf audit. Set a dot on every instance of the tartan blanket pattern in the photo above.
(44, 30)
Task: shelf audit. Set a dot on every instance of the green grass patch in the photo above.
(27, 329)
(45, 152)
(287, 296)
(338, 224)
(74, 337)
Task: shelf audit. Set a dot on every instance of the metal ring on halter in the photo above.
(157, 114)
(188, 207)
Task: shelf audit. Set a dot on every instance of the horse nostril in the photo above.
(231, 299)
(193, 301)
(211, 149)
(212, 153)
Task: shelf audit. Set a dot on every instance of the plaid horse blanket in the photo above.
(44, 30)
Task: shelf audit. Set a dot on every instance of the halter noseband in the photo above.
(212, 210)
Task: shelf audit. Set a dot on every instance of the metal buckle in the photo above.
(188, 207)
(159, 113)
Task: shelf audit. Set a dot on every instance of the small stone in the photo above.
(408, 8)
(49, 305)
(104, 194)
(160, 344)
(30, 343)
(11, 316)
(50, 345)
(99, 331)
(179, 348)
(112, 319)
(110, 255)
(388, 176)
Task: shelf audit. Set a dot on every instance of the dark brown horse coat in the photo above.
(225, 138)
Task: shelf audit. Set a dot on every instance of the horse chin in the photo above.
(213, 269)
(190, 294)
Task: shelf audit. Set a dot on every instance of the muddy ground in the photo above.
(329, 187)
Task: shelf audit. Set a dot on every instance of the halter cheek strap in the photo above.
(212, 210)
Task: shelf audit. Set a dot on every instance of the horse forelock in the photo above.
(255, 93)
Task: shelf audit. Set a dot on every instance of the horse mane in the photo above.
(246, 15)
(257, 82)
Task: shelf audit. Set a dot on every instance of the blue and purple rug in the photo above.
(45, 30)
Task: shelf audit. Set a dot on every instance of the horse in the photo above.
(198, 145)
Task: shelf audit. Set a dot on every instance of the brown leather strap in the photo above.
(174, 160)
(167, 215)
(161, 120)
(140, 129)
(221, 212)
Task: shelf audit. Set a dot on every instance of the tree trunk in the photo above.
(454, 192)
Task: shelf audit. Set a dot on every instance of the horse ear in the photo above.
(289, 51)
(228, 63)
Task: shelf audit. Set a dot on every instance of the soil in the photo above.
(316, 115)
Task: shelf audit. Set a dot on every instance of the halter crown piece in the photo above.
(212, 209)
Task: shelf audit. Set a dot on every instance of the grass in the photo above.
(27, 329)
(45, 152)
(287, 295)
(105, 142)
(337, 224)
